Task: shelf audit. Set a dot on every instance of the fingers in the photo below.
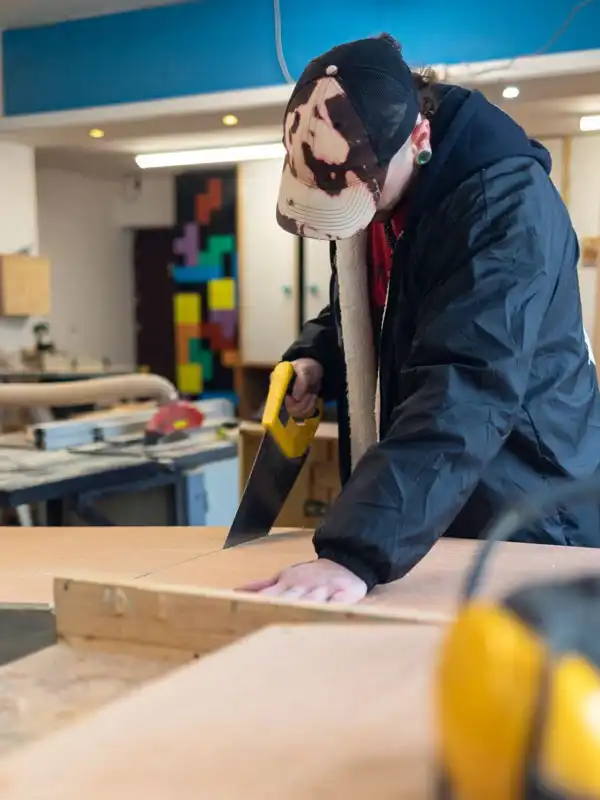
(313, 594)
(301, 386)
(347, 596)
(303, 408)
(258, 586)
(318, 581)
(320, 594)
(275, 587)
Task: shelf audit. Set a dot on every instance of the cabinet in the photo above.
(24, 286)
(316, 274)
(283, 282)
(317, 485)
(268, 266)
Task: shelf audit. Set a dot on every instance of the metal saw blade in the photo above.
(271, 480)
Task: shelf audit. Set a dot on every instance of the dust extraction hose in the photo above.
(96, 390)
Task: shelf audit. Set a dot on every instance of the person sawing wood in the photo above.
(453, 342)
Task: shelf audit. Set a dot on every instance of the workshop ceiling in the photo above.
(546, 107)
(23, 13)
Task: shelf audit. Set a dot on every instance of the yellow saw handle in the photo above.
(292, 436)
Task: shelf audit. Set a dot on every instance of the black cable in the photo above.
(521, 515)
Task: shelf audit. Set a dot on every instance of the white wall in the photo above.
(83, 224)
(147, 201)
(583, 199)
(18, 224)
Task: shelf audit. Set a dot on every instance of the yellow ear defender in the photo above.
(518, 681)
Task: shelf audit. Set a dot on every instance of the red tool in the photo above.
(172, 422)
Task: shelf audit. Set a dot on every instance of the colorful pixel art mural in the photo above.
(204, 271)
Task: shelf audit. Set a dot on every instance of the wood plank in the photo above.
(191, 621)
(434, 585)
(193, 557)
(32, 557)
(337, 712)
(59, 685)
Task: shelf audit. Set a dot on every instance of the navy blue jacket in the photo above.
(488, 387)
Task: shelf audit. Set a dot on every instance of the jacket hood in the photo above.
(468, 134)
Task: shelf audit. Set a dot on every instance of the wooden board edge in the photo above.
(191, 620)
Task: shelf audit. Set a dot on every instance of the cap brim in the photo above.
(310, 212)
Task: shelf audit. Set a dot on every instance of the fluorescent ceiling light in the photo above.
(591, 123)
(510, 92)
(216, 155)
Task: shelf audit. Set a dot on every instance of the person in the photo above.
(453, 342)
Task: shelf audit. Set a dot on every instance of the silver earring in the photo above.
(424, 156)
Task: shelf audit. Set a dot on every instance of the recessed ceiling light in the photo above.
(96, 133)
(230, 120)
(590, 123)
(510, 92)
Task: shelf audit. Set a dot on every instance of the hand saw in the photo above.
(284, 448)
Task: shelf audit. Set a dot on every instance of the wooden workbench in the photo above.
(25, 470)
(322, 711)
(434, 585)
(32, 557)
(265, 712)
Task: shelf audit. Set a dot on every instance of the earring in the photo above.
(424, 156)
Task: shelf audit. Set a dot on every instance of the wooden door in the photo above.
(155, 345)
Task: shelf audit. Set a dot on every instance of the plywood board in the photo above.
(336, 712)
(434, 585)
(137, 618)
(59, 685)
(32, 557)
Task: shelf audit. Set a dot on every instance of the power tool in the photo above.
(518, 681)
(173, 420)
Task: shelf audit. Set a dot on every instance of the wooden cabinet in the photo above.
(24, 286)
(318, 484)
(268, 266)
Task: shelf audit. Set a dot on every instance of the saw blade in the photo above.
(271, 480)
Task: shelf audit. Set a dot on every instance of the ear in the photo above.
(421, 136)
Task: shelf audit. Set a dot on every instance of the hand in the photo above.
(303, 400)
(321, 581)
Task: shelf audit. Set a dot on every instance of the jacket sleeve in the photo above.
(319, 340)
(459, 389)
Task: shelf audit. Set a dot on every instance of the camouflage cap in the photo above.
(351, 111)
